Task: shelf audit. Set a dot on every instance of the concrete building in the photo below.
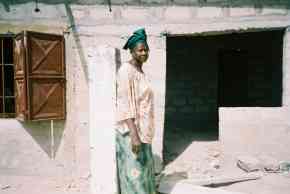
(197, 48)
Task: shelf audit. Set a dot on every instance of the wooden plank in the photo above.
(20, 77)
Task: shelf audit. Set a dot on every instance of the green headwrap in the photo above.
(138, 36)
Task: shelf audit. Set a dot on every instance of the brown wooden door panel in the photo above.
(20, 99)
(45, 54)
(19, 55)
(47, 98)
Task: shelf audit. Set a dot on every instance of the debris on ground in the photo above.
(167, 183)
(269, 164)
(249, 163)
(215, 164)
(264, 163)
(5, 187)
(285, 168)
(183, 187)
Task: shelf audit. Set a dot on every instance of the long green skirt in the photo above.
(135, 172)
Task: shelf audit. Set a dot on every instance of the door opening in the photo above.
(204, 73)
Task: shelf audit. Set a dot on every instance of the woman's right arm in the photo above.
(126, 105)
(135, 139)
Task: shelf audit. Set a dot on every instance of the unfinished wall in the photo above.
(113, 28)
(207, 72)
(259, 130)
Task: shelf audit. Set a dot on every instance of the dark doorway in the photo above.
(204, 73)
(7, 97)
(250, 69)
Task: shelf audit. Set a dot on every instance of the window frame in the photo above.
(2, 82)
(29, 86)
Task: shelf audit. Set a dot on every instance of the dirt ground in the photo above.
(41, 185)
(186, 158)
(202, 159)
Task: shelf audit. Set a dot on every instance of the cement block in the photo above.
(179, 102)
(185, 2)
(225, 11)
(209, 12)
(240, 12)
(270, 164)
(186, 109)
(80, 13)
(135, 13)
(215, 1)
(14, 12)
(26, 12)
(178, 13)
(123, 2)
(273, 11)
(156, 2)
(101, 13)
(47, 11)
(249, 163)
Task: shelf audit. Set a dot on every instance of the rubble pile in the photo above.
(204, 173)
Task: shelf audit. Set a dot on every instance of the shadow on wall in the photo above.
(76, 36)
(118, 58)
(47, 138)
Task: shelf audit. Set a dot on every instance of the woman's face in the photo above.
(140, 52)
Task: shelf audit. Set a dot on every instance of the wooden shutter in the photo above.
(19, 77)
(39, 76)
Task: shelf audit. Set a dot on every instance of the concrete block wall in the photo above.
(259, 130)
(115, 27)
(191, 85)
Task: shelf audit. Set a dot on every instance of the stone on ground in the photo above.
(183, 187)
(269, 164)
(249, 163)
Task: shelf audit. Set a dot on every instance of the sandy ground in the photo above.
(185, 158)
(202, 159)
(41, 185)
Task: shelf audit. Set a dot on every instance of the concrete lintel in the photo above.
(199, 26)
(16, 27)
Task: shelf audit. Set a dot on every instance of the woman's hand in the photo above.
(135, 143)
(135, 139)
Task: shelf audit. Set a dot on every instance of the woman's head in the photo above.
(140, 52)
(137, 43)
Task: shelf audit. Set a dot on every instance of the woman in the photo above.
(135, 121)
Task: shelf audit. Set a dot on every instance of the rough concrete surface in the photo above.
(194, 163)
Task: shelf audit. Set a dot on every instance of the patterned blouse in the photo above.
(134, 100)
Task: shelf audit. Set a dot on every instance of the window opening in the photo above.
(7, 97)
